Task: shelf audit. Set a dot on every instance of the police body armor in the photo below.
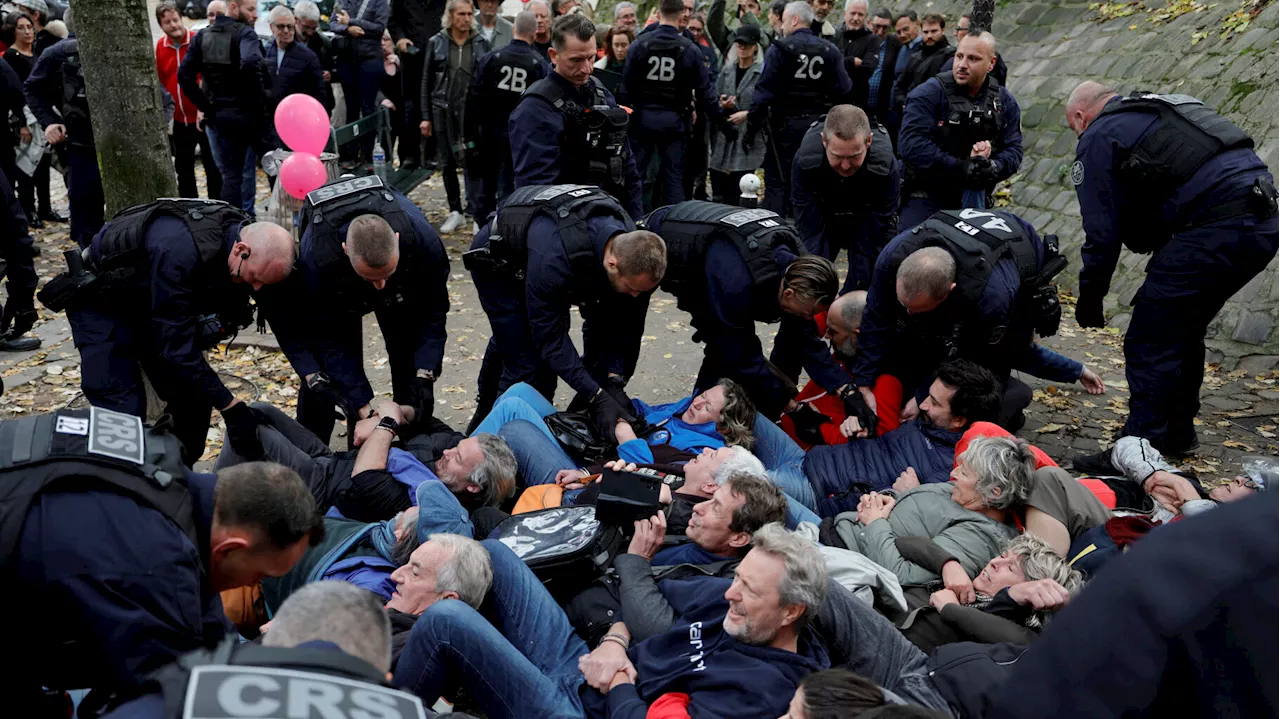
(978, 240)
(1186, 135)
(810, 90)
(660, 82)
(221, 55)
(690, 227)
(91, 448)
(968, 120)
(250, 680)
(595, 148)
(75, 104)
(324, 212)
(570, 205)
(513, 67)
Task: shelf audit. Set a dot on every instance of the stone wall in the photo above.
(1051, 46)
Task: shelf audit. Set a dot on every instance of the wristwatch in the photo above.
(389, 424)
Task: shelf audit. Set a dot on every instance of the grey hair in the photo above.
(1039, 561)
(863, 3)
(336, 612)
(850, 307)
(617, 9)
(800, 9)
(525, 24)
(468, 571)
(847, 122)
(927, 272)
(278, 12)
(496, 473)
(543, 3)
(742, 461)
(1004, 467)
(804, 577)
(1089, 94)
(307, 10)
(452, 5)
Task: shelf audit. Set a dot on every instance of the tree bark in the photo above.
(125, 103)
(984, 12)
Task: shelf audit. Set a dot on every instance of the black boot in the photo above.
(1094, 464)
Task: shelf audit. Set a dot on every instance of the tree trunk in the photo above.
(984, 12)
(123, 89)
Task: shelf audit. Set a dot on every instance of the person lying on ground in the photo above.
(970, 517)
(834, 694)
(378, 480)
(962, 393)
(1010, 600)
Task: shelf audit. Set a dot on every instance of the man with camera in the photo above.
(159, 285)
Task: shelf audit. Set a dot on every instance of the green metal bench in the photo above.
(379, 125)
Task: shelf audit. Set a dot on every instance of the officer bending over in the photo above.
(549, 248)
(496, 90)
(1165, 174)
(731, 268)
(17, 264)
(961, 134)
(327, 652)
(973, 284)
(663, 78)
(116, 552)
(802, 78)
(365, 248)
(568, 128)
(844, 188)
(159, 285)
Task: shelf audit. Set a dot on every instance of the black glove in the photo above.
(856, 406)
(321, 387)
(424, 398)
(614, 388)
(242, 430)
(605, 413)
(729, 130)
(748, 141)
(1089, 310)
(808, 422)
(979, 173)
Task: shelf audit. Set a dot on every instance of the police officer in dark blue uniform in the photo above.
(730, 268)
(961, 134)
(802, 78)
(844, 187)
(55, 94)
(228, 56)
(549, 248)
(501, 79)
(115, 553)
(664, 76)
(568, 128)
(1165, 174)
(365, 248)
(974, 284)
(159, 285)
(17, 264)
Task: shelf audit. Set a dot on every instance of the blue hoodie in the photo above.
(722, 676)
(671, 430)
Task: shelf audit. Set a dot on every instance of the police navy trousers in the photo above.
(667, 186)
(115, 351)
(1188, 282)
(84, 193)
(783, 140)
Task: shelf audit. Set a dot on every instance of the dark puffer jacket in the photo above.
(841, 474)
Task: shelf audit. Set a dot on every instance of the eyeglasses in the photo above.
(284, 27)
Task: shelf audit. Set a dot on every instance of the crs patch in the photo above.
(1077, 173)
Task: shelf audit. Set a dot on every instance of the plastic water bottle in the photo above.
(379, 160)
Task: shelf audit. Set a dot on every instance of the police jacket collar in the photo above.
(517, 42)
(225, 20)
(201, 487)
(804, 30)
(568, 86)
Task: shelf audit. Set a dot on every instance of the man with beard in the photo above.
(822, 418)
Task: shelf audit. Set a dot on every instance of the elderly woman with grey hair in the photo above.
(970, 517)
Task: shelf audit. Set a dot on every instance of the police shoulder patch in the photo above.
(1077, 173)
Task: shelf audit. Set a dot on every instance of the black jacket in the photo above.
(438, 83)
(417, 20)
(865, 45)
(925, 62)
(884, 95)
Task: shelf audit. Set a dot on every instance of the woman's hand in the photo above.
(569, 476)
(620, 465)
(355, 31)
(874, 506)
(906, 481)
(955, 579)
(738, 117)
(942, 598)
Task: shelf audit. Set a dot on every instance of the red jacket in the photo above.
(168, 58)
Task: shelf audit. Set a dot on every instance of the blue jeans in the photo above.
(520, 401)
(784, 460)
(516, 657)
(233, 153)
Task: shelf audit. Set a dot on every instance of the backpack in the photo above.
(566, 547)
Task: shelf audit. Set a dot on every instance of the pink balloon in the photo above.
(301, 173)
(302, 123)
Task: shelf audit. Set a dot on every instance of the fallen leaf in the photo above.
(666, 356)
(1050, 428)
(1233, 444)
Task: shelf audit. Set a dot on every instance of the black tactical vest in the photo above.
(690, 227)
(970, 120)
(808, 81)
(594, 150)
(75, 105)
(1186, 135)
(512, 71)
(978, 240)
(90, 448)
(571, 206)
(250, 680)
(660, 80)
(221, 59)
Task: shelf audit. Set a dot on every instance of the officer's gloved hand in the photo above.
(1089, 309)
(319, 385)
(979, 173)
(424, 398)
(605, 413)
(808, 422)
(855, 405)
(242, 430)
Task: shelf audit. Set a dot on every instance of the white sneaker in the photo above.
(451, 223)
(475, 228)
